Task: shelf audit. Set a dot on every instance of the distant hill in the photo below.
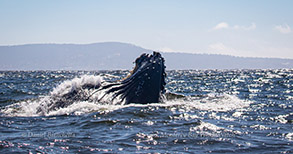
(114, 56)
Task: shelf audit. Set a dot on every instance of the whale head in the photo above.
(146, 82)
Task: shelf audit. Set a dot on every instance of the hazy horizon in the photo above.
(140, 47)
(116, 56)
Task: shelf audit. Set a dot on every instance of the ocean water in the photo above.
(221, 111)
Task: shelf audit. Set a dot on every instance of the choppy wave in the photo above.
(223, 111)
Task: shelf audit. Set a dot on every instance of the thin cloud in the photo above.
(285, 29)
(224, 25)
(239, 27)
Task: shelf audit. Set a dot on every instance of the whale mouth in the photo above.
(145, 84)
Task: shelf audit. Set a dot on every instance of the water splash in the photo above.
(41, 105)
(48, 105)
(30, 107)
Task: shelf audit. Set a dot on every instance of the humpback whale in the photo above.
(145, 84)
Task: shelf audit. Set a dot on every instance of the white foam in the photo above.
(209, 129)
(280, 118)
(214, 102)
(289, 136)
(237, 114)
(84, 107)
(259, 127)
(211, 102)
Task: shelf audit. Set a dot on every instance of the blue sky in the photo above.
(250, 28)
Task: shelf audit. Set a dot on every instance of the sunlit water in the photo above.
(223, 111)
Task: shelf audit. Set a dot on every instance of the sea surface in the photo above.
(220, 111)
